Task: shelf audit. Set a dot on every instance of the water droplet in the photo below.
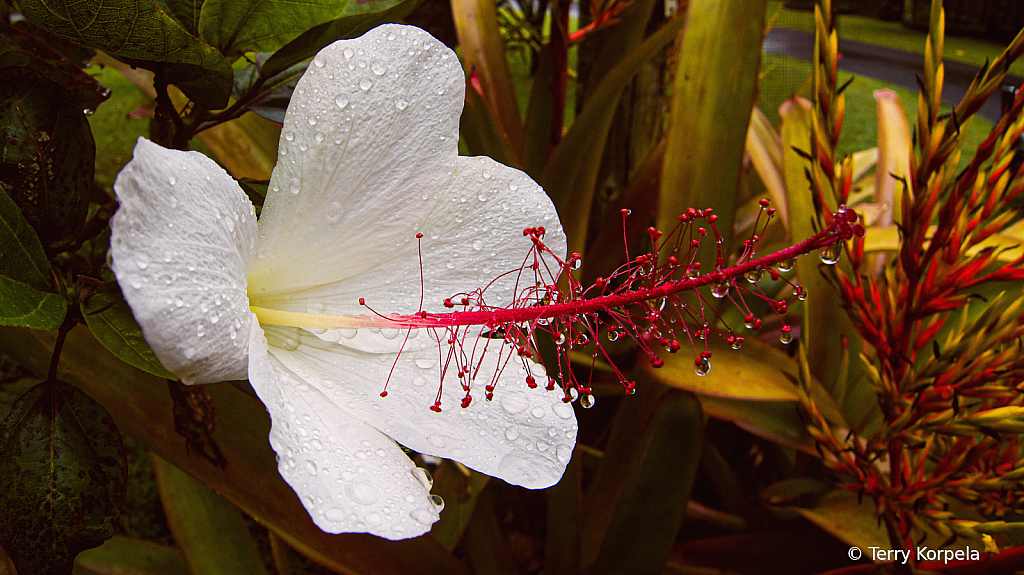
(334, 514)
(426, 362)
(513, 404)
(365, 83)
(341, 100)
(478, 244)
(559, 338)
(511, 433)
(753, 276)
(348, 52)
(294, 187)
(319, 136)
(423, 476)
(374, 519)
(142, 263)
(319, 62)
(563, 453)
(362, 492)
(537, 412)
(178, 302)
(800, 293)
(573, 394)
(786, 265)
(613, 335)
(401, 103)
(786, 337)
(289, 136)
(311, 466)
(703, 367)
(438, 502)
(334, 211)
(693, 272)
(200, 329)
(312, 120)
(378, 67)
(422, 516)
(587, 401)
(563, 410)
(737, 342)
(830, 254)
(171, 180)
(347, 333)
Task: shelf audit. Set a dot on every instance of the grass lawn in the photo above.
(972, 51)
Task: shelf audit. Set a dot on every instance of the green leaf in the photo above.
(571, 172)
(112, 322)
(139, 30)
(23, 257)
(460, 492)
(49, 154)
(716, 83)
(125, 555)
(208, 529)
(185, 12)
(24, 306)
(22, 48)
(64, 471)
(237, 26)
(644, 483)
(319, 37)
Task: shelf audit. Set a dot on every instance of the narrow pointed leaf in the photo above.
(208, 529)
(716, 80)
(63, 468)
(125, 555)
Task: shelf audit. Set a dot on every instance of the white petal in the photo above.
(349, 476)
(371, 130)
(180, 245)
(524, 436)
(472, 235)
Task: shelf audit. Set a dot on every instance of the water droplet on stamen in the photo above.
(830, 254)
(587, 401)
(753, 276)
(786, 265)
(703, 366)
(720, 289)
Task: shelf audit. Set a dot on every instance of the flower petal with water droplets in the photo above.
(349, 476)
(524, 436)
(353, 166)
(180, 246)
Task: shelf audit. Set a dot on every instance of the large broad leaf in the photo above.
(64, 471)
(24, 306)
(318, 37)
(22, 258)
(20, 47)
(716, 81)
(208, 529)
(112, 322)
(49, 154)
(640, 494)
(250, 480)
(140, 31)
(237, 26)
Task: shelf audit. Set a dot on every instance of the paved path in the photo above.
(887, 64)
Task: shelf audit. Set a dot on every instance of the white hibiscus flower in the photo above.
(367, 159)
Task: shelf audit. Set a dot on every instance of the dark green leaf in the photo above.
(48, 154)
(63, 468)
(184, 12)
(140, 31)
(112, 322)
(237, 26)
(23, 257)
(642, 488)
(124, 555)
(24, 306)
(20, 47)
(317, 38)
(208, 528)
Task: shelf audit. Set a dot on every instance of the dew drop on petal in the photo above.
(319, 62)
(401, 103)
(289, 136)
(294, 187)
(348, 52)
(511, 433)
(513, 404)
(341, 100)
(422, 516)
(438, 502)
(563, 453)
(311, 467)
(334, 211)
(365, 83)
(537, 412)
(378, 67)
(319, 136)
(423, 476)
(478, 245)
(362, 492)
(563, 410)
